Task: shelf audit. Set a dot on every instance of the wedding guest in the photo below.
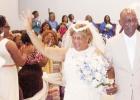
(36, 22)
(30, 75)
(89, 18)
(52, 21)
(7, 33)
(9, 88)
(106, 28)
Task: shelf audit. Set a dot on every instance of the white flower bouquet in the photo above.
(93, 70)
(108, 26)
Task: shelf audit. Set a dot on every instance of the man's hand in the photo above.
(111, 89)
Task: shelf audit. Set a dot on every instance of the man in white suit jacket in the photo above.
(123, 51)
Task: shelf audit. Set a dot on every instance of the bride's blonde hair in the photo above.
(81, 29)
(86, 29)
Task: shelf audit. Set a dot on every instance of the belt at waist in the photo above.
(9, 65)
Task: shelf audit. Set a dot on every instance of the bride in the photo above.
(85, 67)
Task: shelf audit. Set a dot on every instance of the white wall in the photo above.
(9, 8)
(97, 8)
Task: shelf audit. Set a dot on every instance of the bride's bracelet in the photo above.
(111, 81)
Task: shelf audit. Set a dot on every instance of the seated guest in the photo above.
(44, 27)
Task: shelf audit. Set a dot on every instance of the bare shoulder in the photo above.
(11, 45)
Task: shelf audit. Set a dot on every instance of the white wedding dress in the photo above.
(76, 89)
(9, 89)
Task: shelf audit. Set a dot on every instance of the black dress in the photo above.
(30, 78)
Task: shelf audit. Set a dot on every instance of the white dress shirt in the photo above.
(131, 46)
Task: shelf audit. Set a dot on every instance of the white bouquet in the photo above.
(108, 26)
(93, 70)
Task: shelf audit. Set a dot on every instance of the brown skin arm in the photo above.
(15, 53)
(112, 88)
(43, 62)
(111, 73)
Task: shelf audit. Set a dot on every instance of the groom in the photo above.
(124, 52)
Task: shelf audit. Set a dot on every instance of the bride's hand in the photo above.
(27, 20)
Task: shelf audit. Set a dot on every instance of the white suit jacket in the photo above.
(128, 80)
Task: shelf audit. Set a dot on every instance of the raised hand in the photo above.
(27, 20)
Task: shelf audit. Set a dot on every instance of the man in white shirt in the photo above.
(123, 51)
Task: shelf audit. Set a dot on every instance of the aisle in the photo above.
(106, 97)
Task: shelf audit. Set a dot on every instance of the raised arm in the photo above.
(57, 54)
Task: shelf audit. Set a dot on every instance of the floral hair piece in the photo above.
(80, 26)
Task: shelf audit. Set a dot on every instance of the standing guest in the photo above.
(106, 28)
(89, 18)
(62, 28)
(71, 19)
(30, 75)
(9, 88)
(7, 33)
(65, 20)
(36, 22)
(52, 21)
